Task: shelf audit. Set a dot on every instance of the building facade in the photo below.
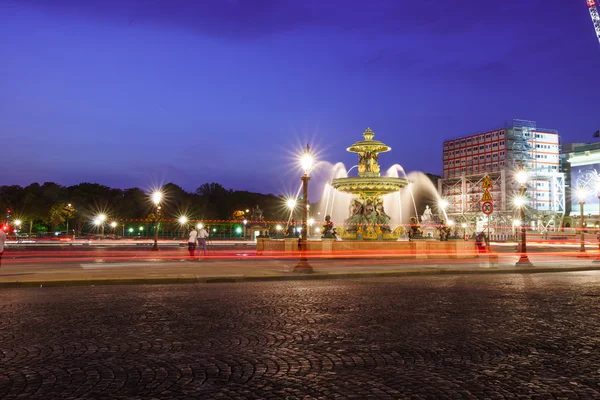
(583, 166)
(498, 154)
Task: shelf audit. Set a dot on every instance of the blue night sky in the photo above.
(134, 92)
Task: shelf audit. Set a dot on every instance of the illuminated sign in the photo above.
(585, 178)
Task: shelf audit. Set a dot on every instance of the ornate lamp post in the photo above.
(580, 193)
(522, 178)
(598, 224)
(306, 162)
(156, 199)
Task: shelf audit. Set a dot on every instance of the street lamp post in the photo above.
(101, 221)
(598, 225)
(68, 209)
(520, 202)
(183, 221)
(113, 225)
(156, 199)
(464, 227)
(581, 196)
(306, 162)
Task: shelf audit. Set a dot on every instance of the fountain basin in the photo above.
(367, 186)
(330, 248)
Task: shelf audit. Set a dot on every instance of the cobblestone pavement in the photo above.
(501, 336)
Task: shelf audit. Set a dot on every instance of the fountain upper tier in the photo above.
(369, 182)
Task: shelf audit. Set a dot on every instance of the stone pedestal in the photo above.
(291, 245)
(327, 246)
(260, 246)
(420, 248)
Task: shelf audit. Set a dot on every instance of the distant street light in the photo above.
(100, 221)
(157, 197)
(69, 211)
(291, 203)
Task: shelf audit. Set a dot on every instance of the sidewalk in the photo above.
(247, 269)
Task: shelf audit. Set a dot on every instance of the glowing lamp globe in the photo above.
(157, 197)
(522, 177)
(519, 201)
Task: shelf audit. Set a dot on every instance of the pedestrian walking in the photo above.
(480, 241)
(202, 238)
(2, 241)
(192, 238)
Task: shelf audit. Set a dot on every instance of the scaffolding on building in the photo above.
(464, 192)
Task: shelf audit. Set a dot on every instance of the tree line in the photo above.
(50, 206)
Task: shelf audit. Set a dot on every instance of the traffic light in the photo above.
(8, 213)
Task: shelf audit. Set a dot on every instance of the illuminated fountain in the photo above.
(371, 213)
(368, 219)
